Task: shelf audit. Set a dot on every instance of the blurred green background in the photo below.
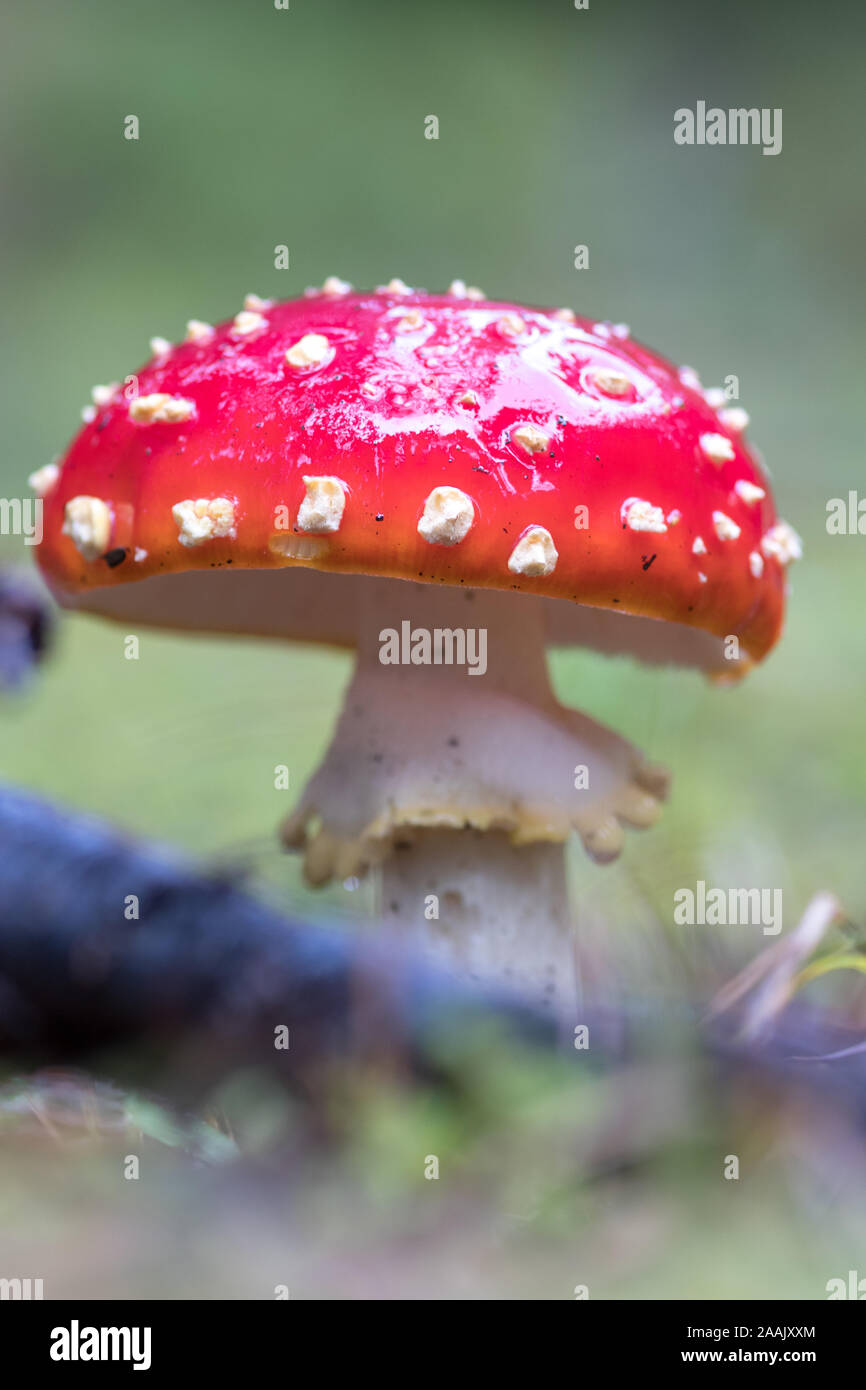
(306, 127)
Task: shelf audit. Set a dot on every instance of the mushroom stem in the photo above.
(487, 911)
(465, 779)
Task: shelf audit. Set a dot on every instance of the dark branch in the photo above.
(199, 983)
(196, 987)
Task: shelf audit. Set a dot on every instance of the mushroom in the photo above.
(446, 486)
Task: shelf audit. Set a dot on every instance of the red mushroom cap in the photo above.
(430, 437)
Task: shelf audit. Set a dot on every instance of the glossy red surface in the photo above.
(384, 414)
